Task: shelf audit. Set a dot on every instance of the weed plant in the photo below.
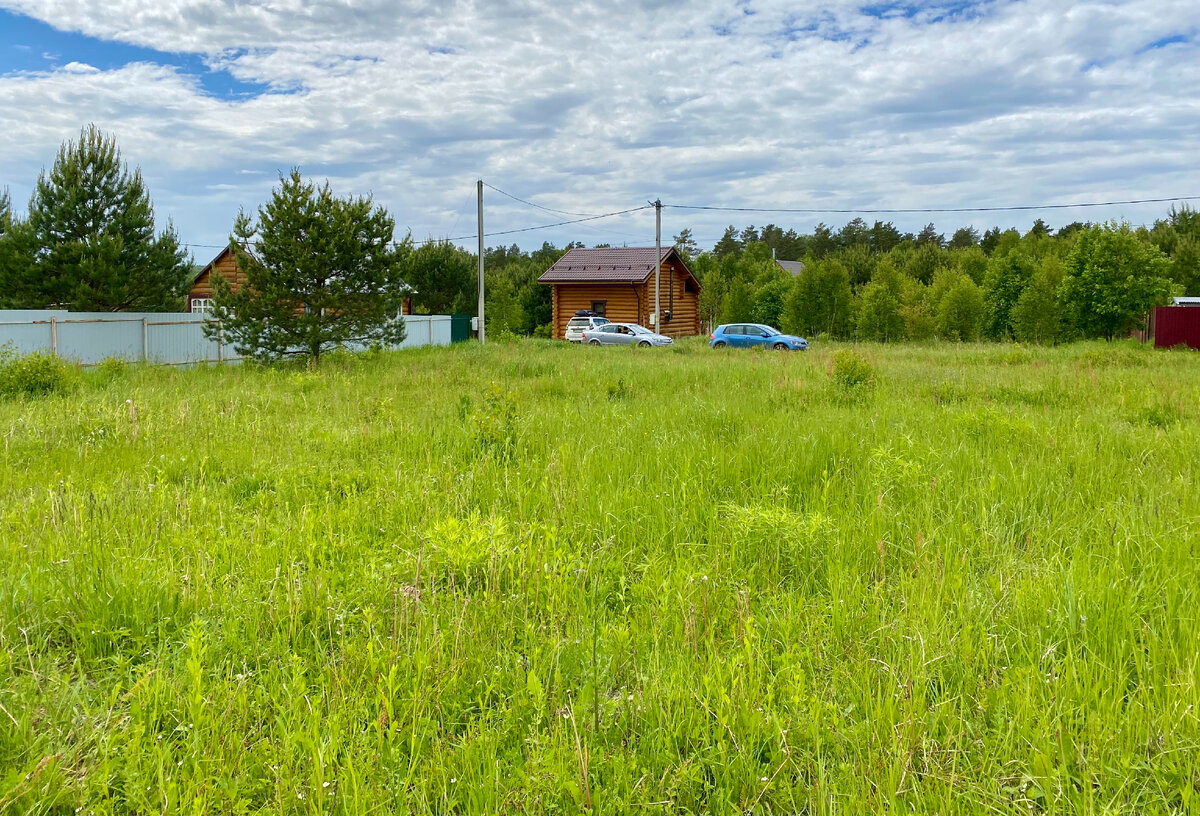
(487, 579)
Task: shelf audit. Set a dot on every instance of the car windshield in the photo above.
(640, 330)
(770, 332)
(601, 321)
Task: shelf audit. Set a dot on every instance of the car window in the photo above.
(575, 322)
(601, 321)
(738, 330)
(608, 329)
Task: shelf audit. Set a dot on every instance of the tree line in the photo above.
(872, 282)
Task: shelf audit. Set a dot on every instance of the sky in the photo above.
(593, 107)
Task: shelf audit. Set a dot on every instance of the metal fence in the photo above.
(160, 338)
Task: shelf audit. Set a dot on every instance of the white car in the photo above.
(577, 325)
(624, 334)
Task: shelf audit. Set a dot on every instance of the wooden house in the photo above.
(618, 283)
(199, 299)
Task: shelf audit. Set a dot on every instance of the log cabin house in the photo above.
(199, 299)
(618, 283)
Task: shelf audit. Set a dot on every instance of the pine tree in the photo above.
(92, 227)
(320, 271)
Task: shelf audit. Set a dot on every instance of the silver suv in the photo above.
(576, 326)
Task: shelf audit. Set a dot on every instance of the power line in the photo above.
(558, 224)
(531, 204)
(896, 211)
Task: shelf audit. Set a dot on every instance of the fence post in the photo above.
(145, 341)
(429, 323)
(220, 346)
(53, 336)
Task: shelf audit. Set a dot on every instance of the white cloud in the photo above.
(596, 107)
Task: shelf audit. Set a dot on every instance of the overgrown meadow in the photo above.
(530, 577)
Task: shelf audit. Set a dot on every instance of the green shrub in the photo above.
(851, 373)
(111, 368)
(34, 375)
(495, 423)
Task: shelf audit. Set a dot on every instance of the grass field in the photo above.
(539, 578)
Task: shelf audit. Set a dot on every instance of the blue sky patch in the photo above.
(937, 12)
(1163, 42)
(31, 45)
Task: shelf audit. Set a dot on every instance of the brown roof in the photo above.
(605, 265)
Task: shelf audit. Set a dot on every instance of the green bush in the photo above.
(850, 372)
(111, 368)
(495, 423)
(34, 375)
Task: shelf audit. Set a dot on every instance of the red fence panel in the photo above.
(1174, 325)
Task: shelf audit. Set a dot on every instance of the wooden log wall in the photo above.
(685, 318)
(227, 267)
(622, 303)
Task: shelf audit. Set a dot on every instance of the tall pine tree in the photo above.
(94, 246)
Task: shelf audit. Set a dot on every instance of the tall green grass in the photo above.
(534, 577)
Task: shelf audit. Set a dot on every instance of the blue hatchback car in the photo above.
(742, 335)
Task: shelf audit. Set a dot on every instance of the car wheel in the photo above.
(644, 344)
(781, 347)
(593, 342)
(719, 344)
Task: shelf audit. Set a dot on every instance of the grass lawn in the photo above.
(540, 578)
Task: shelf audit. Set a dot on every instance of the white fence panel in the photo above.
(426, 330)
(164, 338)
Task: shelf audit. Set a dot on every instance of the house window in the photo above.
(201, 305)
(598, 306)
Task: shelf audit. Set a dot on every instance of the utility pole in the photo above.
(657, 265)
(480, 231)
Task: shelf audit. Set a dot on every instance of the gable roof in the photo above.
(608, 265)
(226, 251)
(794, 267)
(229, 251)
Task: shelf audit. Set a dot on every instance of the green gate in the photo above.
(460, 328)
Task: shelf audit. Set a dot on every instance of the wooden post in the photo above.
(145, 341)
(53, 336)
(220, 346)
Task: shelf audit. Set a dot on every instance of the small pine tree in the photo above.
(320, 271)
